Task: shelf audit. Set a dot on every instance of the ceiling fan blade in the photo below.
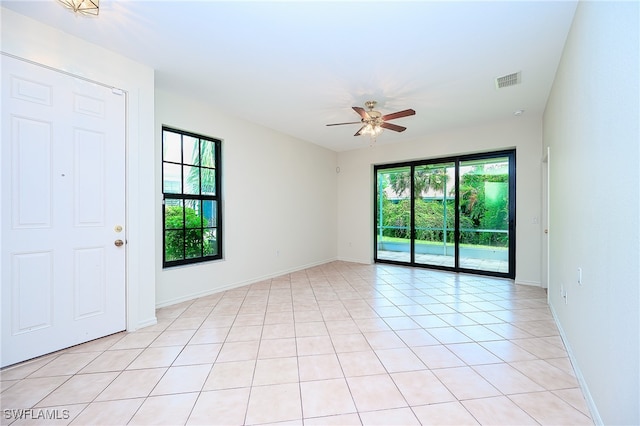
(340, 124)
(359, 132)
(398, 114)
(361, 112)
(393, 127)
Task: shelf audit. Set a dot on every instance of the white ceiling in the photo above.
(295, 66)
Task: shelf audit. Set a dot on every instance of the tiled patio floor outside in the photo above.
(491, 265)
(340, 343)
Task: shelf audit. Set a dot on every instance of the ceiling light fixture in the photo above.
(83, 7)
(372, 129)
(373, 122)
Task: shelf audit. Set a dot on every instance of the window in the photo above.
(192, 230)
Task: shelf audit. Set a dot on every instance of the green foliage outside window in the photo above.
(175, 247)
(483, 205)
(429, 219)
(189, 242)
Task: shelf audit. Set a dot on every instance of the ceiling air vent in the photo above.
(508, 80)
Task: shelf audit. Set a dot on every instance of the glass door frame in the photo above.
(510, 154)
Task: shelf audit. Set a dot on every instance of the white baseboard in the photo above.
(593, 409)
(146, 323)
(231, 286)
(352, 260)
(529, 283)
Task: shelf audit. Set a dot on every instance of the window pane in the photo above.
(208, 150)
(171, 150)
(210, 242)
(193, 243)
(173, 245)
(209, 213)
(173, 214)
(192, 179)
(172, 178)
(193, 214)
(208, 181)
(191, 150)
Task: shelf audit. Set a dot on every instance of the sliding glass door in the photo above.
(435, 213)
(455, 214)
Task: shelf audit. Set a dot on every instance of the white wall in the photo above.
(29, 39)
(279, 195)
(355, 185)
(591, 126)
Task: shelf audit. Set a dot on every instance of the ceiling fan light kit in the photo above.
(373, 122)
(371, 130)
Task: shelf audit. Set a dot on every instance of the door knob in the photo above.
(118, 243)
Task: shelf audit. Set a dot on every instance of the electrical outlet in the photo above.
(579, 276)
(563, 293)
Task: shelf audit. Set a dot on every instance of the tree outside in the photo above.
(484, 206)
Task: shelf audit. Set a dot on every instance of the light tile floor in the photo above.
(337, 344)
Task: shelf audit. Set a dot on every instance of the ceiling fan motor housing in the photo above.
(370, 104)
(374, 116)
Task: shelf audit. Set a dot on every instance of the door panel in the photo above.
(89, 178)
(63, 279)
(31, 180)
(394, 215)
(435, 214)
(89, 282)
(484, 214)
(32, 301)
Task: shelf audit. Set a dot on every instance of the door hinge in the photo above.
(117, 91)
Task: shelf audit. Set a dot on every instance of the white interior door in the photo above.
(63, 206)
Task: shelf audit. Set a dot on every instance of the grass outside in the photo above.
(437, 243)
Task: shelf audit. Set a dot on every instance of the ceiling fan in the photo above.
(373, 121)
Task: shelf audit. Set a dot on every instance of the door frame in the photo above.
(510, 153)
(546, 209)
